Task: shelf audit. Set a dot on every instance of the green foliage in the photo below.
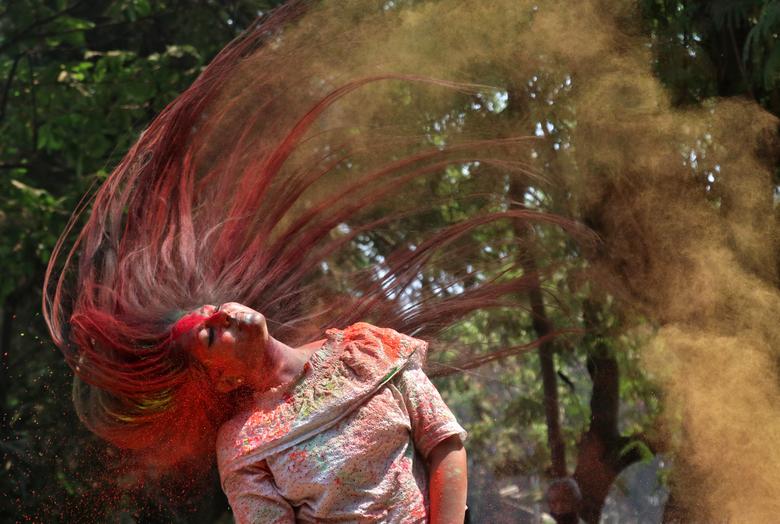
(721, 47)
(34, 216)
(762, 48)
(78, 82)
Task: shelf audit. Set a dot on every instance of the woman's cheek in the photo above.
(227, 337)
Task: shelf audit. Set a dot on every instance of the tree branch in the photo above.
(543, 329)
(33, 102)
(24, 33)
(7, 86)
(740, 63)
(14, 165)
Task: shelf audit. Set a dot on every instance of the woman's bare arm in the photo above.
(448, 481)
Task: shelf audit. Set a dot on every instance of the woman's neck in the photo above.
(283, 364)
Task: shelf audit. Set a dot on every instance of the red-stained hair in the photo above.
(217, 201)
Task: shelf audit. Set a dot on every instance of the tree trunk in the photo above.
(543, 328)
(560, 506)
(600, 456)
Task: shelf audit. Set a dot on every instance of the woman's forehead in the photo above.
(206, 310)
(192, 319)
(187, 323)
(183, 329)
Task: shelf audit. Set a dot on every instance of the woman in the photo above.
(336, 428)
(243, 191)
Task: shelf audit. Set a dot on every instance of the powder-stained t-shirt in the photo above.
(347, 444)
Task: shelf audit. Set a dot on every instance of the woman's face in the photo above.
(229, 341)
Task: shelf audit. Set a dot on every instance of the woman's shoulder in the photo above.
(379, 342)
(227, 437)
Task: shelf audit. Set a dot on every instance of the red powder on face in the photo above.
(186, 324)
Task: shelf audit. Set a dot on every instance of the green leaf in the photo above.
(644, 451)
(28, 190)
(771, 75)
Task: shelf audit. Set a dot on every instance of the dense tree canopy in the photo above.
(80, 80)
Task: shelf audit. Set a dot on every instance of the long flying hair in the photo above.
(243, 189)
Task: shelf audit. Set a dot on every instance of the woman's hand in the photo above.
(448, 481)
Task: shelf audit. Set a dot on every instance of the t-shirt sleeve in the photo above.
(431, 419)
(254, 498)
